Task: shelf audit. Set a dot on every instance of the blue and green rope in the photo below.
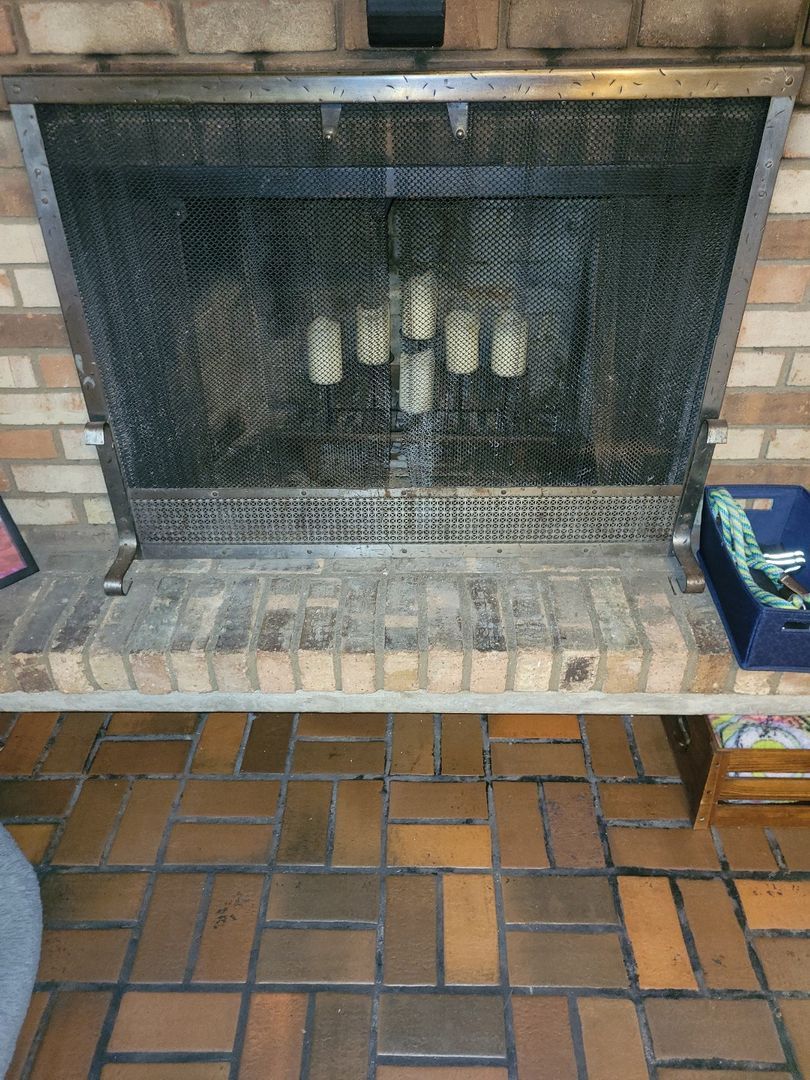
(745, 552)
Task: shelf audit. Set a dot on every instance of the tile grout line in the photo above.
(437, 744)
(688, 937)
(331, 826)
(48, 745)
(309, 1030)
(500, 917)
(785, 1040)
(613, 878)
(438, 895)
(82, 778)
(635, 753)
(123, 984)
(200, 919)
(247, 731)
(249, 984)
(776, 850)
(379, 949)
(577, 1040)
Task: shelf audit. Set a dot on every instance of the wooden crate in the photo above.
(719, 797)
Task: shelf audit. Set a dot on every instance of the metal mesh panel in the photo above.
(534, 305)
(432, 519)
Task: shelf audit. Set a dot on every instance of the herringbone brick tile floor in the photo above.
(407, 897)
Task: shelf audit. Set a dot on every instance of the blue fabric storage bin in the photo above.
(763, 638)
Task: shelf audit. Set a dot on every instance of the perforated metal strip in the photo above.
(425, 519)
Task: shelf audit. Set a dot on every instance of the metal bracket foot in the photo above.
(115, 581)
(691, 579)
(97, 433)
(712, 433)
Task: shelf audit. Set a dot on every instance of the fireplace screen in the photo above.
(401, 329)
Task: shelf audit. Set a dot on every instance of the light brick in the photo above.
(712, 663)
(798, 137)
(316, 646)
(753, 682)
(43, 511)
(794, 682)
(230, 656)
(490, 658)
(800, 370)
(188, 655)
(719, 23)
(567, 24)
(32, 329)
(58, 370)
(16, 200)
(7, 43)
(357, 659)
(535, 655)
(445, 656)
(16, 372)
(621, 644)
(7, 298)
(573, 634)
(669, 652)
(275, 639)
(56, 407)
(757, 367)
(104, 651)
(776, 283)
(150, 639)
(134, 26)
(743, 443)
(792, 192)
(10, 156)
(66, 648)
(56, 478)
(99, 511)
(775, 329)
(74, 446)
(37, 287)
(790, 443)
(786, 238)
(218, 26)
(401, 656)
(21, 242)
(785, 407)
(27, 444)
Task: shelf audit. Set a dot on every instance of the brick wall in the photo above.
(48, 476)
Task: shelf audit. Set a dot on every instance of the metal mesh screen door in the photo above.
(281, 318)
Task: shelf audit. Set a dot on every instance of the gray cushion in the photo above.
(20, 938)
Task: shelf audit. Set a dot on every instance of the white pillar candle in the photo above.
(373, 335)
(324, 351)
(420, 301)
(510, 344)
(416, 379)
(404, 384)
(461, 332)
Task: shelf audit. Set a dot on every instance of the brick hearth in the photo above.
(611, 636)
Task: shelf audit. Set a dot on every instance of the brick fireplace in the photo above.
(289, 633)
(49, 477)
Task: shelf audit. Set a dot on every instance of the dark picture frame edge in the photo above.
(8, 525)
